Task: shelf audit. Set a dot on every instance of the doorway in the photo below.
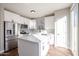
(61, 32)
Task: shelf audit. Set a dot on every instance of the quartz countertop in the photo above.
(38, 37)
(29, 38)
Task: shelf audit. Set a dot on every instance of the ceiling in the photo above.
(41, 9)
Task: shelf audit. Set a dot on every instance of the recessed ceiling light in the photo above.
(32, 11)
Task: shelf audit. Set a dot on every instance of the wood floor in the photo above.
(13, 52)
(59, 51)
(53, 51)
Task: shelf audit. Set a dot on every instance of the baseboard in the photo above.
(2, 51)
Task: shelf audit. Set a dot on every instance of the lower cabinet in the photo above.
(11, 44)
(44, 48)
(28, 48)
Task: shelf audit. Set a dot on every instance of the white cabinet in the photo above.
(24, 20)
(16, 18)
(49, 22)
(27, 21)
(32, 24)
(46, 23)
(9, 16)
(33, 45)
(44, 47)
(21, 20)
(40, 23)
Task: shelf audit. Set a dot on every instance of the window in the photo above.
(74, 29)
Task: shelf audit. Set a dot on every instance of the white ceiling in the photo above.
(41, 9)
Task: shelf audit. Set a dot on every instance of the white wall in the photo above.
(1, 29)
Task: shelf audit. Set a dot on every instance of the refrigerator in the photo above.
(10, 41)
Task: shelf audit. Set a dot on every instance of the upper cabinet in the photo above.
(40, 23)
(45, 23)
(32, 24)
(49, 22)
(9, 16)
(26, 21)
(22, 20)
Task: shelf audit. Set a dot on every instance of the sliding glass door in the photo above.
(74, 29)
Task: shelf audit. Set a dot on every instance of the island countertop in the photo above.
(35, 37)
(29, 38)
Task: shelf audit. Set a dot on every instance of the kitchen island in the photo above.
(33, 44)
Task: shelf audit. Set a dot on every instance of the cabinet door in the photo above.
(12, 43)
(49, 22)
(15, 18)
(27, 21)
(40, 23)
(32, 24)
(7, 16)
(21, 20)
